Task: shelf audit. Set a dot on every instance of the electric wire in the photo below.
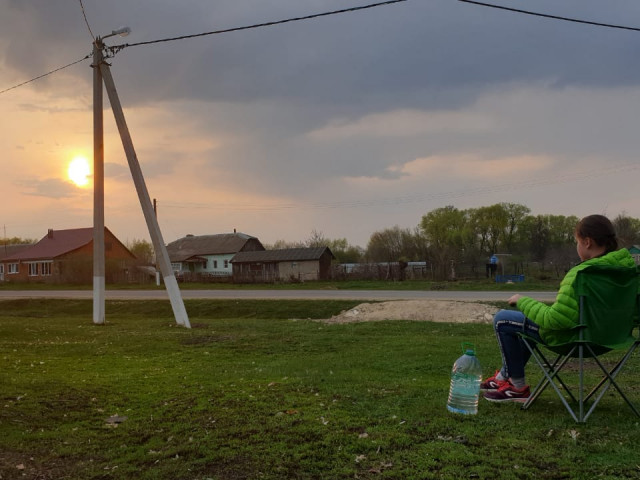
(84, 14)
(116, 48)
(552, 17)
(45, 74)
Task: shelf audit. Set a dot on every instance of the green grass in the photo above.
(470, 285)
(259, 390)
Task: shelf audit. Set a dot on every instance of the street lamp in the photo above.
(98, 180)
(122, 31)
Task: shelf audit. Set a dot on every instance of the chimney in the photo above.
(50, 233)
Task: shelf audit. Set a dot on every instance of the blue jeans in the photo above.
(515, 354)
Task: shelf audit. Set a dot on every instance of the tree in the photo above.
(420, 245)
(143, 250)
(343, 252)
(516, 214)
(448, 232)
(386, 245)
(317, 239)
(340, 247)
(561, 229)
(627, 230)
(17, 241)
(489, 224)
(282, 244)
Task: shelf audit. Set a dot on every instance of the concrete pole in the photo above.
(155, 212)
(98, 189)
(162, 257)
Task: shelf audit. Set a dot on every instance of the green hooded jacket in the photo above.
(555, 321)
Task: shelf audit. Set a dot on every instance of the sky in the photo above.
(343, 125)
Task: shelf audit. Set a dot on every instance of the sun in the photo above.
(79, 171)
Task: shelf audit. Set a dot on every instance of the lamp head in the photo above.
(122, 31)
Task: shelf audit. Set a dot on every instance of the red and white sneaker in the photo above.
(492, 383)
(508, 393)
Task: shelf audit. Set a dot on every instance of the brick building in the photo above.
(66, 256)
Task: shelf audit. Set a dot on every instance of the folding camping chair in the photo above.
(609, 305)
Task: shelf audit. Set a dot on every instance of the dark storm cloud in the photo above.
(419, 54)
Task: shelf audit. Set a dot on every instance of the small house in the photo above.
(207, 257)
(284, 265)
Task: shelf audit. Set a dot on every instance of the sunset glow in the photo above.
(79, 171)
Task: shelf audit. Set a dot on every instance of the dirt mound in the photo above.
(418, 310)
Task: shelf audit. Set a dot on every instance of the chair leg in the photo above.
(614, 371)
(581, 417)
(608, 380)
(544, 381)
(550, 372)
(552, 368)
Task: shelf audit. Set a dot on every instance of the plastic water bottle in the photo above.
(466, 376)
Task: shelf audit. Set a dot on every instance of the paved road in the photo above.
(278, 294)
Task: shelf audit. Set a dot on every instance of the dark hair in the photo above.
(599, 229)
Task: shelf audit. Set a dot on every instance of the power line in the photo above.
(553, 17)
(84, 14)
(116, 48)
(45, 74)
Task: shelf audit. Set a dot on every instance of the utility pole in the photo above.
(155, 212)
(162, 257)
(98, 188)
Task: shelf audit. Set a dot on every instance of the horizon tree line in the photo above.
(449, 236)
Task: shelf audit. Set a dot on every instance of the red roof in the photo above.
(8, 250)
(54, 244)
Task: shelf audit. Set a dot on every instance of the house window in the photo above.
(176, 267)
(215, 264)
(33, 269)
(226, 264)
(13, 268)
(46, 268)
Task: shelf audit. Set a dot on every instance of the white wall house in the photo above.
(203, 257)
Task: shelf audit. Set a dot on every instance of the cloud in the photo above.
(476, 167)
(403, 123)
(54, 188)
(344, 124)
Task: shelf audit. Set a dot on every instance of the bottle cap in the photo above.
(468, 348)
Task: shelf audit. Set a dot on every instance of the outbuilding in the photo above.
(283, 265)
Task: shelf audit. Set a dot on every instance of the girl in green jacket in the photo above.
(597, 245)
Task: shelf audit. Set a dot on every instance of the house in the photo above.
(8, 250)
(66, 256)
(204, 257)
(287, 265)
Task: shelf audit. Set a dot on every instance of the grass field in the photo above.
(469, 285)
(260, 390)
